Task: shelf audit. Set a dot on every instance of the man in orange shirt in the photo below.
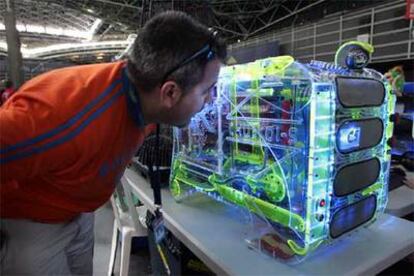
(67, 136)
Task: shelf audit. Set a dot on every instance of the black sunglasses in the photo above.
(206, 52)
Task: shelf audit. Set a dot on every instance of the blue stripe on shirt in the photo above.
(65, 138)
(65, 125)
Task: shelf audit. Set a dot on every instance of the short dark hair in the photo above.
(165, 41)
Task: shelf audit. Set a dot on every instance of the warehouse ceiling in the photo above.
(45, 22)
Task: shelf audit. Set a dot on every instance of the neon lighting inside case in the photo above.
(268, 144)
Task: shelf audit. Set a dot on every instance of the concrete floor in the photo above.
(139, 261)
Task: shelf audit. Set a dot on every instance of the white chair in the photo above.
(127, 223)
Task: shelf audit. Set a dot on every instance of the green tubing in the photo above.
(302, 250)
(371, 189)
(180, 176)
(256, 205)
(297, 249)
(250, 158)
(175, 188)
(259, 206)
(193, 183)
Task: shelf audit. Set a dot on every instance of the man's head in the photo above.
(177, 60)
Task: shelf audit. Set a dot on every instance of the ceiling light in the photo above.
(29, 28)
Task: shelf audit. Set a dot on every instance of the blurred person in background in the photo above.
(7, 92)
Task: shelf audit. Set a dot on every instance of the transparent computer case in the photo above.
(302, 147)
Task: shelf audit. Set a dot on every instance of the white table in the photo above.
(215, 233)
(401, 200)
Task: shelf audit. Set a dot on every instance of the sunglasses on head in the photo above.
(206, 52)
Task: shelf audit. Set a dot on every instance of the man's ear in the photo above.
(170, 94)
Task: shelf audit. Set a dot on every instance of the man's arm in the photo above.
(24, 119)
(17, 155)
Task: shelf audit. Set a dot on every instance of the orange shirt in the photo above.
(65, 139)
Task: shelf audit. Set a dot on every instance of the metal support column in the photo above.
(14, 55)
(293, 42)
(314, 42)
(340, 30)
(410, 39)
(371, 28)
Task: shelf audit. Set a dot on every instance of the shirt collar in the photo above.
(132, 98)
